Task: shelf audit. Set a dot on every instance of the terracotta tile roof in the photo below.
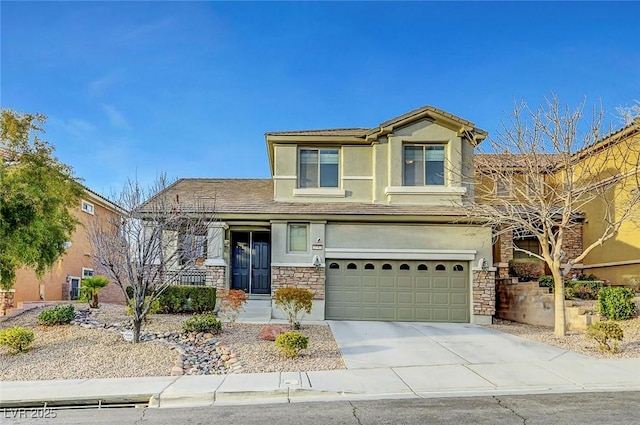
(255, 196)
(5, 154)
(515, 160)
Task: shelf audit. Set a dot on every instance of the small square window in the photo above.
(298, 240)
(87, 207)
(87, 272)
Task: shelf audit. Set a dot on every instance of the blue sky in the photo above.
(133, 89)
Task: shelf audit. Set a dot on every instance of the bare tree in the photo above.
(156, 238)
(541, 172)
(628, 113)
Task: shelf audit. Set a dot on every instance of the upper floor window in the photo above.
(318, 168)
(87, 207)
(423, 165)
(504, 185)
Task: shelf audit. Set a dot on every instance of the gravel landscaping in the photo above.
(629, 347)
(94, 348)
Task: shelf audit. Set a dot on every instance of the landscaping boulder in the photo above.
(270, 332)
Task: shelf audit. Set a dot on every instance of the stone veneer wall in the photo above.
(484, 293)
(572, 241)
(298, 277)
(217, 276)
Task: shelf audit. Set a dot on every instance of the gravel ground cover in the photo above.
(629, 347)
(74, 352)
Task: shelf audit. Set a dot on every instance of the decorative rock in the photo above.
(270, 332)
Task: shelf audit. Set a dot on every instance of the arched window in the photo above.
(458, 268)
(352, 266)
(423, 267)
(369, 266)
(440, 267)
(387, 266)
(334, 266)
(404, 267)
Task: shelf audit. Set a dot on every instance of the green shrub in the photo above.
(616, 303)
(583, 289)
(185, 299)
(290, 343)
(294, 302)
(546, 281)
(57, 315)
(606, 334)
(526, 269)
(17, 338)
(154, 309)
(202, 323)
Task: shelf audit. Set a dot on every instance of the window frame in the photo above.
(90, 207)
(424, 146)
(289, 234)
(318, 183)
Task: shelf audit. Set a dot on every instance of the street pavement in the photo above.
(383, 360)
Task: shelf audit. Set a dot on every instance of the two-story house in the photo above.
(372, 220)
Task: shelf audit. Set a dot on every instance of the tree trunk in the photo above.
(94, 301)
(560, 324)
(137, 324)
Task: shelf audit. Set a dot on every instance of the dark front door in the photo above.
(241, 270)
(251, 268)
(261, 268)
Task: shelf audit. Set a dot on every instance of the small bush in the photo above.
(546, 281)
(231, 302)
(202, 323)
(57, 315)
(294, 302)
(526, 269)
(185, 299)
(290, 343)
(154, 309)
(616, 303)
(18, 339)
(90, 288)
(583, 289)
(606, 334)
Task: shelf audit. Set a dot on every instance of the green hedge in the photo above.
(617, 303)
(185, 299)
(526, 269)
(583, 289)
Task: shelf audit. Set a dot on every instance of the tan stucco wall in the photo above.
(79, 255)
(367, 171)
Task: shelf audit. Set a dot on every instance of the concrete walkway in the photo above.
(416, 360)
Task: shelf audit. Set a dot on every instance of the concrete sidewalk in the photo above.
(452, 380)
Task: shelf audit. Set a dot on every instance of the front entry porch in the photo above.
(251, 262)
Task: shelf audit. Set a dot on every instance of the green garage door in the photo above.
(430, 291)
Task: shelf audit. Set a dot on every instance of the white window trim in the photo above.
(424, 190)
(289, 250)
(324, 192)
(89, 204)
(86, 269)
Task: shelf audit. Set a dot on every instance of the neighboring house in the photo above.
(64, 279)
(618, 259)
(371, 220)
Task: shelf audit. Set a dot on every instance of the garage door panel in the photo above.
(405, 292)
(441, 282)
(441, 298)
(459, 283)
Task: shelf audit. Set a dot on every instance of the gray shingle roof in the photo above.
(255, 196)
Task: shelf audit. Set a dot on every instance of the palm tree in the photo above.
(90, 288)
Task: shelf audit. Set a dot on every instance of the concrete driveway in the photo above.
(366, 345)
